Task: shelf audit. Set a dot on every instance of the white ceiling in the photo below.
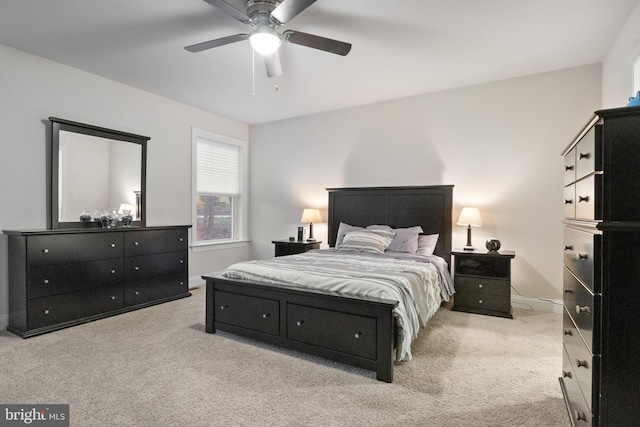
(400, 47)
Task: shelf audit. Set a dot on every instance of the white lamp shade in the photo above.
(470, 216)
(265, 42)
(125, 207)
(311, 215)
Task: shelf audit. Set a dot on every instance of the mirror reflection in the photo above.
(96, 174)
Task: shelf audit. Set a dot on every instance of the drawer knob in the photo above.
(136, 268)
(566, 374)
(45, 311)
(480, 286)
(583, 199)
(299, 322)
(181, 283)
(135, 243)
(113, 272)
(137, 293)
(357, 335)
(181, 239)
(584, 156)
(113, 245)
(45, 281)
(113, 297)
(181, 261)
(568, 247)
(583, 309)
(479, 301)
(582, 364)
(265, 315)
(568, 332)
(580, 416)
(583, 257)
(45, 251)
(568, 168)
(568, 201)
(222, 307)
(568, 290)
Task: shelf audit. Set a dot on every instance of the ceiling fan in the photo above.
(266, 16)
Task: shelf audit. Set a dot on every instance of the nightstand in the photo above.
(483, 282)
(292, 247)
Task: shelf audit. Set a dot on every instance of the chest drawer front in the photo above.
(72, 248)
(145, 291)
(570, 167)
(58, 279)
(147, 242)
(74, 305)
(570, 201)
(149, 266)
(334, 330)
(579, 301)
(587, 205)
(258, 314)
(582, 253)
(589, 152)
(584, 365)
(579, 411)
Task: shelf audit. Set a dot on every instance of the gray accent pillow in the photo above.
(344, 229)
(405, 240)
(427, 243)
(370, 241)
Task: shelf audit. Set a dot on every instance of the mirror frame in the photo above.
(53, 157)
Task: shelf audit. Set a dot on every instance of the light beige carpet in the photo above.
(157, 367)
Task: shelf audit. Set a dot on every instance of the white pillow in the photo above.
(344, 229)
(370, 241)
(405, 240)
(427, 243)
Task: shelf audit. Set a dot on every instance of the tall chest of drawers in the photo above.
(60, 278)
(601, 280)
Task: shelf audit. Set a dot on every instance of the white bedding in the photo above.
(419, 283)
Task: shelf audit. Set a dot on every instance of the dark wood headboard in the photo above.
(398, 207)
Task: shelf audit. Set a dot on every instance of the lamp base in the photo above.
(469, 248)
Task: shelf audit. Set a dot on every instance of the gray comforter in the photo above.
(419, 283)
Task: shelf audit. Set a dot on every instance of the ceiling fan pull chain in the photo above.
(253, 73)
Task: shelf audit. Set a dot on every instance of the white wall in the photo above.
(498, 143)
(617, 79)
(32, 89)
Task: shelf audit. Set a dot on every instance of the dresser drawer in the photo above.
(580, 303)
(584, 365)
(570, 201)
(59, 279)
(579, 411)
(149, 266)
(582, 252)
(74, 305)
(258, 314)
(347, 333)
(570, 167)
(589, 152)
(588, 192)
(72, 248)
(147, 242)
(145, 291)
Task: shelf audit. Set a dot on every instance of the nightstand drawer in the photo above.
(482, 302)
(482, 286)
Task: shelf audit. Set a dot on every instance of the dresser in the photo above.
(482, 280)
(601, 279)
(61, 278)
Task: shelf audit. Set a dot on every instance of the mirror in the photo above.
(93, 170)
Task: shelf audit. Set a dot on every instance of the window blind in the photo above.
(218, 168)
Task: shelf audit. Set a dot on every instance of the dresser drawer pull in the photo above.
(113, 297)
(479, 301)
(181, 261)
(568, 290)
(135, 243)
(45, 281)
(583, 199)
(582, 364)
(568, 332)
(265, 315)
(45, 251)
(580, 416)
(299, 322)
(568, 168)
(136, 293)
(583, 309)
(357, 335)
(136, 268)
(181, 282)
(568, 201)
(113, 272)
(568, 247)
(584, 156)
(583, 256)
(181, 239)
(480, 286)
(113, 245)
(45, 311)
(566, 374)
(222, 307)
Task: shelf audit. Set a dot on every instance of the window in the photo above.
(219, 188)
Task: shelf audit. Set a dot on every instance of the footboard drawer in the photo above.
(343, 332)
(258, 314)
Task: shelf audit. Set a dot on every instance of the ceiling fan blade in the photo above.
(289, 9)
(272, 62)
(234, 9)
(217, 42)
(317, 42)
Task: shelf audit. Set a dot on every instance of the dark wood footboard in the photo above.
(355, 331)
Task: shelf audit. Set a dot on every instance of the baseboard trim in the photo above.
(536, 304)
(195, 281)
(4, 322)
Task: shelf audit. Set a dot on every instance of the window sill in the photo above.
(215, 246)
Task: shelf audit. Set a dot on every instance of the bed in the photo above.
(359, 329)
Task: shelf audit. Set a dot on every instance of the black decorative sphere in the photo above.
(493, 244)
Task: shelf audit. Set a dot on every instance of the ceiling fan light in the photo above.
(265, 42)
